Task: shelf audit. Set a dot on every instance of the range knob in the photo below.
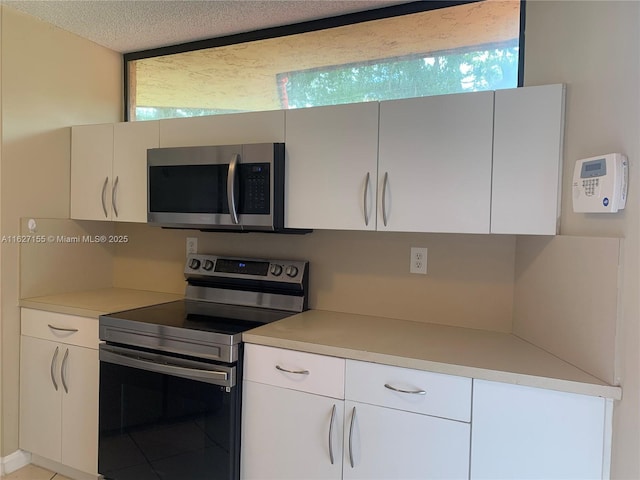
(291, 271)
(194, 264)
(276, 270)
(208, 265)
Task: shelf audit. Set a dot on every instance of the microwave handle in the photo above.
(231, 197)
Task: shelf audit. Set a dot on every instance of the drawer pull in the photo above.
(412, 392)
(63, 369)
(351, 426)
(296, 372)
(333, 417)
(60, 329)
(53, 367)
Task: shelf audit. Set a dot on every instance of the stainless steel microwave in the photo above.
(230, 187)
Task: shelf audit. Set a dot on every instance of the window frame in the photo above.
(310, 26)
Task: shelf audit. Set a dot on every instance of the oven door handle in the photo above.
(135, 360)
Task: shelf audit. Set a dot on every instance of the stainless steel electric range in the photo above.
(171, 374)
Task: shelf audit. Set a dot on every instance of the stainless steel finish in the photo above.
(61, 329)
(113, 196)
(412, 392)
(63, 370)
(209, 155)
(296, 372)
(53, 367)
(384, 198)
(333, 418)
(238, 297)
(366, 195)
(274, 274)
(196, 343)
(231, 191)
(352, 424)
(169, 365)
(104, 202)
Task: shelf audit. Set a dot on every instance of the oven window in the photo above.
(156, 426)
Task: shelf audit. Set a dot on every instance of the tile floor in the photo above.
(32, 472)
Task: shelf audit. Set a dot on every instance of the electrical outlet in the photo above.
(418, 260)
(192, 245)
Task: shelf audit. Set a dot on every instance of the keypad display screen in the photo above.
(594, 168)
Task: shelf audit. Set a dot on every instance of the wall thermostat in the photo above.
(600, 184)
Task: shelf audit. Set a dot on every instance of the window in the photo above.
(405, 51)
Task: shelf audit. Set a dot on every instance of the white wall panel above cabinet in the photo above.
(527, 160)
(434, 167)
(231, 129)
(332, 162)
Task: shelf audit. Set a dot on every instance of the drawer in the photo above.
(444, 396)
(306, 372)
(59, 327)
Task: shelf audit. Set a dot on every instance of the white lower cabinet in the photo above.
(296, 424)
(290, 435)
(59, 388)
(532, 433)
(405, 424)
(292, 415)
(384, 443)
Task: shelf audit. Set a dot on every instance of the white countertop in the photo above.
(437, 348)
(93, 303)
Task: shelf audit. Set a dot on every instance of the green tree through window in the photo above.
(484, 68)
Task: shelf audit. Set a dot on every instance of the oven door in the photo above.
(214, 187)
(168, 418)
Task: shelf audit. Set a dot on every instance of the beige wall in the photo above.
(593, 47)
(469, 281)
(50, 80)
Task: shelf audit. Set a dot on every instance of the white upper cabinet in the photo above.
(527, 160)
(91, 169)
(232, 129)
(332, 162)
(434, 166)
(129, 193)
(109, 170)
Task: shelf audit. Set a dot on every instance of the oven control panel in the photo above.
(211, 266)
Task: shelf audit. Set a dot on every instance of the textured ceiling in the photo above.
(132, 25)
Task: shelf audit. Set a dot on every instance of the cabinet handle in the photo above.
(297, 372)
(413, 392)
(364, 200)
(384, 198)
(231, 197)
(53, 366)
(113, 196)
(333, 417)
(353, 420)
(61, 329)
(63, 369)
(104, 202)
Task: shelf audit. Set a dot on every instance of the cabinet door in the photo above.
(288, 434)
(233, 129)
(129, 194)
(332, 167)
(91, 171)
(80, 376)
(40, 399)
(527, 160)
(434, 168)
(532, 433)
(383, 443)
